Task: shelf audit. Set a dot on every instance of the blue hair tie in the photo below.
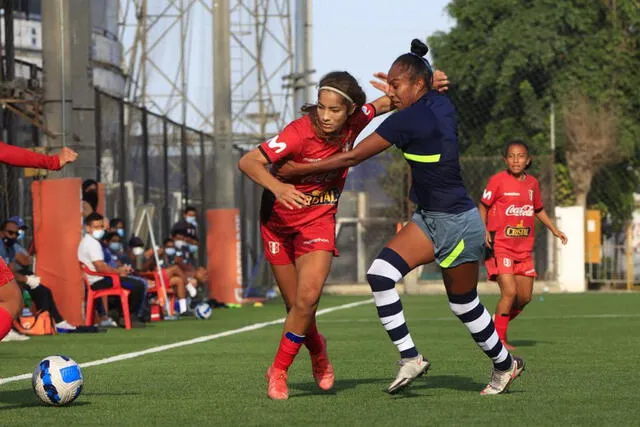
(423, 59)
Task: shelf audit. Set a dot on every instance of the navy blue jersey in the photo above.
(427, 134)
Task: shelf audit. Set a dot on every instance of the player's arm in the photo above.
(369, 147)
(24, 259)
(254, 164)
(21, 157)
(544, 218)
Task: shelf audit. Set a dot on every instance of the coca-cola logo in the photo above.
(513, 210)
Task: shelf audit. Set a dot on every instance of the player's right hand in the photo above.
(290, 197)
(488, 240)
(381, 82)
(440, 81)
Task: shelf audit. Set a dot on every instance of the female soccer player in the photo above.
(298, 232)
(446, 226)
(508, 206)
(10, 292)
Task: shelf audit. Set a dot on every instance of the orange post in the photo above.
(224, 263)
(57, 225)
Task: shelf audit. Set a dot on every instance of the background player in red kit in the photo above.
(508, 206)
(10, 292)
(298, 232)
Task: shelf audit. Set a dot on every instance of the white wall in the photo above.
(571, 274)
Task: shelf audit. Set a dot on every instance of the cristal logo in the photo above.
(513, 210)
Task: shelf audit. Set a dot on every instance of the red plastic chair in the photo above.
(156, 288)
(115, 290)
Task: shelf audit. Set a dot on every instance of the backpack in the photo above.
(39, 323)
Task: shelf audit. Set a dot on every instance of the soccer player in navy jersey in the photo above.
(10, 293)
(446, 226)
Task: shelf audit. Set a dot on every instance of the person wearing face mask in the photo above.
(22, 228)
(188, 223)
(19, 261)
(116, 225)
(91, 254)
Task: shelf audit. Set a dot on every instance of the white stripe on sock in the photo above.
(386, 297)
(502, 356)
(480, 323)
(392, 322)
(380, 267)
(490, 343)
(459, 309)
(404, 343)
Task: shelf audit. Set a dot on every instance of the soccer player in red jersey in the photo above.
(10, 293)
(298, 231)
(508, 206)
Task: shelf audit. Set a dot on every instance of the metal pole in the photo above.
(223, 192)
(165, 168)
(302, 55)
(9, 118)
(122, 212)
(145, 157)
(98, 131)
(203, 197)
(184, 165)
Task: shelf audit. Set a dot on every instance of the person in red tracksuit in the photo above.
(10, 293)
(298, 217)
(509, 205)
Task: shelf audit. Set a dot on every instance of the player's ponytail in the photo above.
(416, 64)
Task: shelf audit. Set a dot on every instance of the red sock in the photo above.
(502, 323)
(514, 313)
(314, 340)
(290, 344)
(6, 320)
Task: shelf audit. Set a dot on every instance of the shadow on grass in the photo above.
(25, 398)
(528, 343)
(311, 388)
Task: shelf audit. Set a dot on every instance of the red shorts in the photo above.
(6, 275)
(283, 246)
(503, 264)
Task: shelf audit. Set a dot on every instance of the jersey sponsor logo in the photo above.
(517, 230)
(319, 197)
(506, 262)
(306, 159)
(321, 178)
(276, 146)
(486, 194)
(531, 195)
(366, 110)
(513, 193)
(274, 247)
(316, 240)
(513, 210)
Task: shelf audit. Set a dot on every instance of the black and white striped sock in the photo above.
(477, 319)
(385, 271)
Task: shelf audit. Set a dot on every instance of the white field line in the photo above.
(452, 318)
(197, 340)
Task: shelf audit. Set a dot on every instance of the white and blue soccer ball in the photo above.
(57, 380)
(203, 310)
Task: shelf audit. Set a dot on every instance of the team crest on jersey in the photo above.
(274, 247)
(506, 262)
(517, 231)
(318, 197)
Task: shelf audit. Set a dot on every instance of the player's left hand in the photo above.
(563, 237)
(440, 81)
(67, 155)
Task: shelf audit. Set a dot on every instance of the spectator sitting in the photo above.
(177, 279)
(91, 254)
(116, 225)
(188, 223)
(17, 258)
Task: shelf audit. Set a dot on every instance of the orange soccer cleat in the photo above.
(277, 383)
(323, 369)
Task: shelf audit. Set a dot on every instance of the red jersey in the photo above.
(17, 156)
(299, 142)
(512, 204)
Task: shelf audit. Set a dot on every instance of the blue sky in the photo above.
(364, 36)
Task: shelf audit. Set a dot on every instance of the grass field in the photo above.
(582, 352)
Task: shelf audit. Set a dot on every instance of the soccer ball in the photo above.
(57, 380)
(203, 310)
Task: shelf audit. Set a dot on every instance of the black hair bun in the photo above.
(418, 47)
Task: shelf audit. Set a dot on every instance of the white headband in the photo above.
(333, 89)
